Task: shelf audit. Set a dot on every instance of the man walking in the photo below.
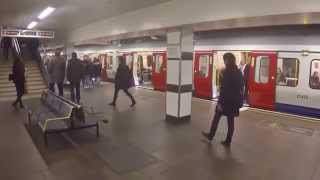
(57, 68)
(74, 76)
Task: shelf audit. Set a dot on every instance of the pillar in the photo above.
(179, 74)
(69, 49)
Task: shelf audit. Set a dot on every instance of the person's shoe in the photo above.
(21, 106)
(112, 104)
(14, 105)
(133, 104)
(206, 136)
(226, 143)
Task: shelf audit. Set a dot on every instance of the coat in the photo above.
(231, 95)
(18, 77)
(75, 71)
(123, 78)
(57, 68)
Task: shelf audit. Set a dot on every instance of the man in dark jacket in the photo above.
(230, 100)
(74, 76)
(56, 70)
(122, 81)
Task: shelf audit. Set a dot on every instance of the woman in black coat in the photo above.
(230, 100)
(18, 77)
(123, 80)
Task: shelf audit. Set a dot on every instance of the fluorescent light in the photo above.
(46, 12)
(32, 25)
(154, 37)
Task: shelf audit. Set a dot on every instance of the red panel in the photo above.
(159, 78)
(262, 95)
(203, 85)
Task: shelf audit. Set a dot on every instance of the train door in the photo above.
(110, 63)
(262, 80)
(159, 71)
(102, 59)
(203, 74)
(129, 58)
(219, 66)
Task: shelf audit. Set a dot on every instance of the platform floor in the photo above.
(139, 144)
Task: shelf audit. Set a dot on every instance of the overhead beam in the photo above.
(5, 32)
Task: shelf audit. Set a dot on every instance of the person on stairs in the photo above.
(123, 80)
(18, 78)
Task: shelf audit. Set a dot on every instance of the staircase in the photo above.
(35, 83)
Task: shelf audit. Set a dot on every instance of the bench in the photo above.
(56, 114)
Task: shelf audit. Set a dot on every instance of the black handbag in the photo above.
(10, 78)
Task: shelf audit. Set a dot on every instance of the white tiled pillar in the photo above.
(69, 49)
(179, 74)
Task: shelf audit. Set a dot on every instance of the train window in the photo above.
(110, 62)
(158, 65)
(149, 61)
(314, 80)
(288, 72)
(204, 66)
(262, 69)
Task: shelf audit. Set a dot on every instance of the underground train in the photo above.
(279, 81)
(284, 67)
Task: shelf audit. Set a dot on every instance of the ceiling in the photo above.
(69, 14)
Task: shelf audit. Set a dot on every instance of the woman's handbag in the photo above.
(10, 78)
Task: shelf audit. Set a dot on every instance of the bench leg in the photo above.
(45, 138)
(29, 119)
(98, 133)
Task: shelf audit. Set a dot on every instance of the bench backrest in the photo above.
(57, 105)
(78, 114)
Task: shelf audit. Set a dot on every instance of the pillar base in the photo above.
(174, 118)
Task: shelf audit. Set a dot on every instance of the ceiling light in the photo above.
(154, 37)
(32, 25)
(46, 12)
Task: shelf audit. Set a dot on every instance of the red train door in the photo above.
(159, 71)
(203, 74)
(262, 80)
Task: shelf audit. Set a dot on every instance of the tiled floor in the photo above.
(138, 143)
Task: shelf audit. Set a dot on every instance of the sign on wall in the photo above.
(27, 33)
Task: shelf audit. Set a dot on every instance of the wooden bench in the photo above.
(57, 114)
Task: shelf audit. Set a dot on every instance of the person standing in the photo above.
(57, 68)
(246, 76)
(122, 81)
(18, 78)
(74, 76)
(230, 99)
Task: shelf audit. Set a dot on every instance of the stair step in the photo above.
(29, 83)
(13, 93)
(33, 87)
(27, 96)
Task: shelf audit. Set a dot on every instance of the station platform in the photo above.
(138, 143)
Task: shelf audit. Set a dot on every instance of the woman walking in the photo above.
(230, 100)
(18, 77)
(123, 80)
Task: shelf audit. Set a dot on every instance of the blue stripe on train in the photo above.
(298, 110)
